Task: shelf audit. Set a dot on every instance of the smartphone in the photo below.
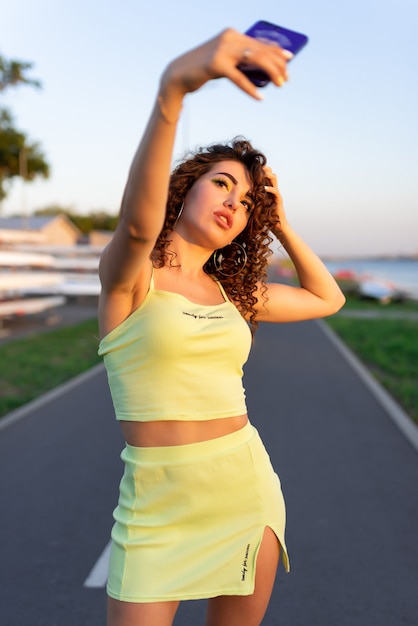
(271, 33)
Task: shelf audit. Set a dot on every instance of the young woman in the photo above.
(200, 513)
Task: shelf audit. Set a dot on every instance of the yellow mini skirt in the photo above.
(190, 519)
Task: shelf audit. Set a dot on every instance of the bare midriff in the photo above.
(177, 433)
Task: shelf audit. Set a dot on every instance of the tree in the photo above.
(18, 156)
(96, 220)
(13, 72)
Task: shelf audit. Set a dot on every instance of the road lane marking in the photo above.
(98, 575)
(49, 396)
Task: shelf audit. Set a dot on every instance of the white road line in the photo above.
(392, 408)
(98, 575)
(49, 396)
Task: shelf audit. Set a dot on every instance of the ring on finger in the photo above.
(246, 55)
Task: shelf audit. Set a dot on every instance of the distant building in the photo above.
(57, 230)
(99, 237)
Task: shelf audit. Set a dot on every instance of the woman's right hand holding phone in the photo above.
(219, 58)
(125, 264)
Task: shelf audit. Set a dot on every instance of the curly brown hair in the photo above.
(239, 282)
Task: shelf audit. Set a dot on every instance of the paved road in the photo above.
(349, 478)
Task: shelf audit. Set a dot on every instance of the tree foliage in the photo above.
(18, 155)
(96, 220)
(13, 72)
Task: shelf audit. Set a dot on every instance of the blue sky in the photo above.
(342, 134)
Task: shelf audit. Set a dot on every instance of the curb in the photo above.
(23, 411)
(391, 407)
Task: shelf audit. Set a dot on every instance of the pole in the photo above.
(23, 173)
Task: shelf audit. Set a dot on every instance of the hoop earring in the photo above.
(239, 258)
(178, 216)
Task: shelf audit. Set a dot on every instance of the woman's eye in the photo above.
(221, 182)
(247, 204)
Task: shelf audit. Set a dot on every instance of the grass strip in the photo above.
(389, 349)
(366, 304)
(29, 367)
(32, 366)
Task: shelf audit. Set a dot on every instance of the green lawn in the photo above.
(389, 349)
(353, 302)
(30, 367)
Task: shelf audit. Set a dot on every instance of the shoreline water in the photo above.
(401, 272)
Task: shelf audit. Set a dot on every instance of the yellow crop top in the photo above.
(172, 359)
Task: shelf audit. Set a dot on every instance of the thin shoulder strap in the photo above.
(221, 289)
(151, 282)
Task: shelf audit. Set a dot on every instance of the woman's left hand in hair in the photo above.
(318, 294)
(273, 188)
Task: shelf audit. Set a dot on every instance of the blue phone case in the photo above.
(267, 32)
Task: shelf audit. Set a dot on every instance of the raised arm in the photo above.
(318, 294)
(144, 200)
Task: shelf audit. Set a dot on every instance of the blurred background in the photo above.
(342, 134)
(79, 80)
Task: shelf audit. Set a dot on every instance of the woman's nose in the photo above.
(231, 203)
